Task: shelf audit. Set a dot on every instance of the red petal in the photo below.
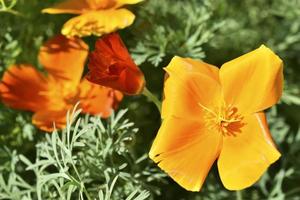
(111, 65)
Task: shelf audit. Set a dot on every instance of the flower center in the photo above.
(115, 69)
(225, 119)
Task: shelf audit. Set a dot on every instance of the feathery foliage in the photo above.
(90, 159)
(103, 159)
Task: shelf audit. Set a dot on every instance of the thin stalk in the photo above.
(2, 3)
(239, 195)
(152, 98)
(8, 9)
(292, 192)
(82, 184)
(86, 193)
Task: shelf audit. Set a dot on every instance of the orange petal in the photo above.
(22, 87)
(69, 6)
(185, 150)
(101, 4)
(47, 119)
(120, 3)
(64, 58)
(111, 66)
(96, 99)
(98, 22)
(254, 81)
(190, 86)
(183, 65)
(246, 157)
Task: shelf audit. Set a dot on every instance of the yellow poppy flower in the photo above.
(96, 17)
(217, 114)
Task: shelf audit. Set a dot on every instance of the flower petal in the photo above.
(189, 86)
(183, 65)
(96, 99)
(22, 87)
(254, 81)
(64, 58)
(244, 158)
(120, 3)
(69, 6)
(98, 22)
(110, 65)
(101, 4)
(185, 150)
(47, 119)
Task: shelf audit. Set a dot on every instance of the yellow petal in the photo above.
(254, 81)
(64, 58)
(98, 23)
(184, 65)
(185, 150)
(120, 3)
(188, 84)
(69, 6)
(244, 158)
(22, 87)
(101, 4)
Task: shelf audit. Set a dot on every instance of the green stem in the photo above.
(10, 11)
(82, 186)
(152, 98)
(239, 195)
(3, 3)
(292, 192)
(86, 194)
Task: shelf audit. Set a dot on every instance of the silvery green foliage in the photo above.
(241, 26)
(89, 159)
(189, 28)
(7, 6)
(9, 50)
(12, 185)
(9, 47)
(215, 31)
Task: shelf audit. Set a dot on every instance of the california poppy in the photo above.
(96, 17)
(51, 96)
(111, 65)
(217, 114)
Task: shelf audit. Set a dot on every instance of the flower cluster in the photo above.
(208, 113)
(51, 96)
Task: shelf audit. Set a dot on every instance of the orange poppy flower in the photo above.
(214, 114)
(51, 96)
(96, 17)
(111, 65)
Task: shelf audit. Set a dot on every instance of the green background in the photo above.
(211, 30)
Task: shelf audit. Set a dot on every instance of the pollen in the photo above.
(225, 118)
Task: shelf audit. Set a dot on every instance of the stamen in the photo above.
(207, 109)
(226, 120)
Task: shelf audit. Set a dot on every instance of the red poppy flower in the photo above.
(111, 65)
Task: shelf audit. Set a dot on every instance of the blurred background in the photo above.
(210, 30)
